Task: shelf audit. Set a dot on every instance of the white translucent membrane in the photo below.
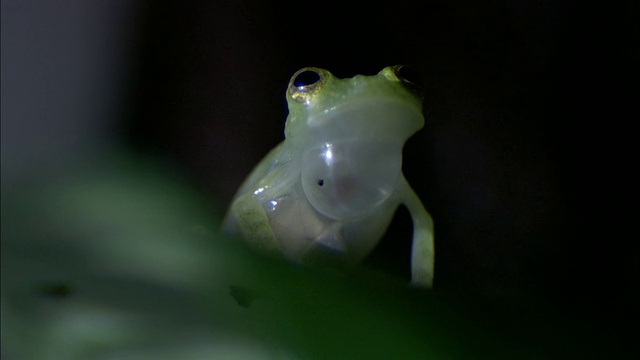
(353, 157)
(349, 180)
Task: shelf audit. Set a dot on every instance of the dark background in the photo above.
(524, 162)
(524, 156)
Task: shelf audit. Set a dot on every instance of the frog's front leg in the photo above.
(253, 222)
(422, 249)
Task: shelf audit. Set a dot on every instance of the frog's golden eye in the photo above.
(306, 82)
(410, 78)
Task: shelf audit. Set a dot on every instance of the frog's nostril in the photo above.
(306, 78)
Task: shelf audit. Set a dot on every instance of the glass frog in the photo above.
(333, 185)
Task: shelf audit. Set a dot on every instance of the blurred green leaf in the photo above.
(122, 260)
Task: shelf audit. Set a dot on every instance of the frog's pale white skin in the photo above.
(333, 185)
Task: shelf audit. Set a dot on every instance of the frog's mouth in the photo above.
(346, 180)
(373, 119)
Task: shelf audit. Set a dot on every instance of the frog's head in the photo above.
(386, 106)
(349, 134)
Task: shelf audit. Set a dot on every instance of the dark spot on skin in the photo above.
(55, 290)
(320, 182)
(244, 297)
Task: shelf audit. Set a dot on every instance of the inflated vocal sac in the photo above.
(349, 180)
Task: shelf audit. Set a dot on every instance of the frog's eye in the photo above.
(350, 180)
(306, 77)
(306, 82)
(410, 78)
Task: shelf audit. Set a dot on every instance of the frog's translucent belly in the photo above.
(301, 230)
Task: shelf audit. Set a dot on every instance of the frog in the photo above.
(330, 189)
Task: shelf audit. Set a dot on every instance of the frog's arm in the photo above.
(230, 223)
(260, 171)
(246, 214)
(422, 250)
(253, 222)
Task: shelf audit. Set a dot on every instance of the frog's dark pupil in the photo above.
(320, 182)
(305, 78)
